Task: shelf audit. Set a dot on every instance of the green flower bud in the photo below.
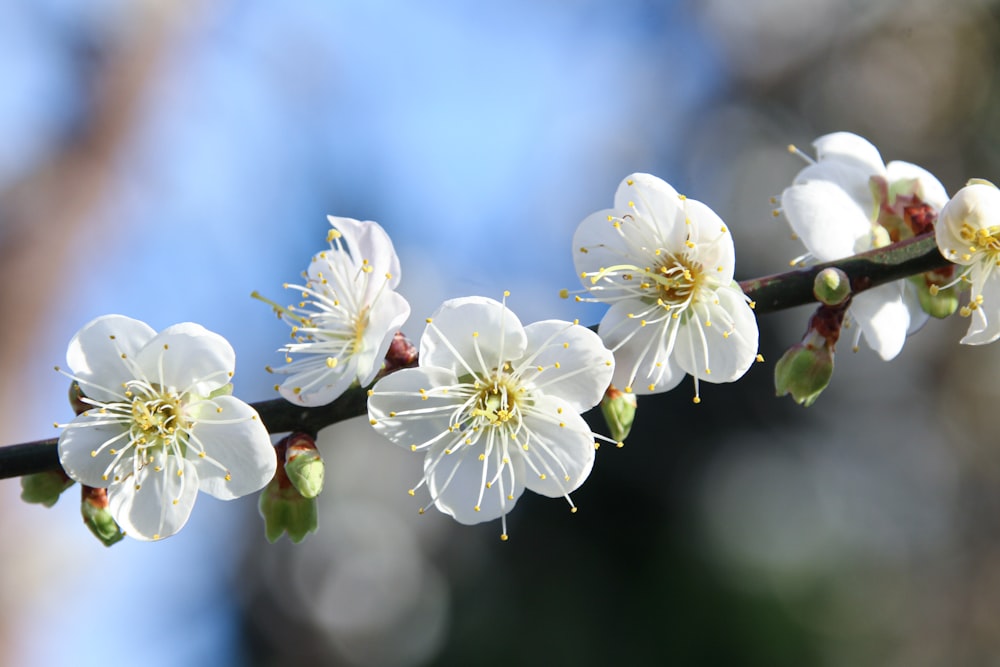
(304, 465)
(44, 488)
(804, 370)
(831, 286)
(618, 409)
(934, 300)
(285, 510)
(94, 508)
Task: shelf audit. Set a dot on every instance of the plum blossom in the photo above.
(665, 263)
(495, 407)
(161, 425)
(847, 201)
(968, 233)
(347, 317)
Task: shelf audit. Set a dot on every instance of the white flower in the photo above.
(161, 426)
(847, 201)
(666, 264)
(968, 233)
(495, 405)
(348, 315)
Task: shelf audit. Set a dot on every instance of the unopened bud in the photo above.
(303, 465)
(97, 517)
(285, 510)
(401, 353)
(44, 488)
(618, 409)
(831, 286)
(804, 370)
(936, 300)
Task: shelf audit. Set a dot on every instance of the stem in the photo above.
(869, 269)
(771, 293)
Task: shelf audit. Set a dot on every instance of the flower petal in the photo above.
(854, 180)
(724, 350)
(101, 354)
(911, 299)
(577, 366)
(984, 326)
(829, 222)
(930, 189)
(403, 415)
(561, 448)
(387, 315)
(883, 317)
(85, 435)
(314, 382)
(461, 326)
(367, 240)
(643, 354)
(456, 481)
(652, 199)
(977, 206)
(849, 148)
(714, 248)
(236, 443)
(187, 357)
(161, 504)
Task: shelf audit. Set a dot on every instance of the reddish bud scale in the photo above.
(827, 321)
(920, 218)
(97, 497)
(297, 443)
(401, 354)
(281, 451)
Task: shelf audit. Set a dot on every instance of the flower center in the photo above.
(984, 240)
(498, 401)
(156, 419)
(676, 281)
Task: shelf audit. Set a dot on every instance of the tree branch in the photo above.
(869, 269)
(771, 293)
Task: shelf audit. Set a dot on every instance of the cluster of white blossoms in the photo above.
(665, 262)
(347, 317)
(161, 425)
(847, 201)
(968, 234)
(495, 407)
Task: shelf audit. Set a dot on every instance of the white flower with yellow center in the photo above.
(348, 315)
(847, 201)
(495, 406)
(665, 263)
(968, 233)
(161, 425)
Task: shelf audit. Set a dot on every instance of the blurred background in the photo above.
(162, 160)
